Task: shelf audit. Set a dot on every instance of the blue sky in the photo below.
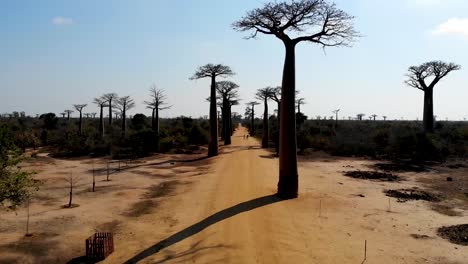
(57, 53)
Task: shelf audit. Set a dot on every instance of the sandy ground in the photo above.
(221, 210)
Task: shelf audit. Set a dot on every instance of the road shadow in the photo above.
(203, 224)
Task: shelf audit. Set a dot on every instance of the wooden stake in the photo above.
(320, 208)
(27, 222)
(107, 171)
(389, 208)
(94, 178)
(365, 249)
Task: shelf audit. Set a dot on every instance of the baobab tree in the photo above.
(384, 118)
(336, 113)
(63, 115)
(228, 94)
(299, 102)
(374, 116)
(110, 97)
(68, 112)
(156, 104)
(263, 95)
(79, 108)
(276, 96)
(425, 77)
(123, 104)
(321, 23)
(252, 105)
(101, 103)
(212, 71)
(360, 116)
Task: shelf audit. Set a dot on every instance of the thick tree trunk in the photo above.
(252, 123)
(277, 147)
(156, 127)
(68, 116)
(101, 121)
(124, 118)
(227, 118)
(265, 125)
(213, 144)
(153, 127)
(80, 128)
(110, 112)
(230, 122)
(288, 175)
(223, 121)
(428, 117)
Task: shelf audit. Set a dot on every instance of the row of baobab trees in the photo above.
(307, 21)
(119, 105)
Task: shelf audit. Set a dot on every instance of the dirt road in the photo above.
(230, 216)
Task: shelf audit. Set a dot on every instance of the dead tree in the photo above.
(123, 104)
(109, 98)
(156, 104)
(68, 112)
(425, 77)
(252, 117)
(228, 93)
(212, 71)
(321, 23)
(79, 108)
(264, 95)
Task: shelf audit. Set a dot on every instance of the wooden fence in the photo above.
(99, 246)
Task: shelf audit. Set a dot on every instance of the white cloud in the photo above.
(434, 3)
(456, 26)
(60, 21)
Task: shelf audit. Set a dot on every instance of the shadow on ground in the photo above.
(205, 223)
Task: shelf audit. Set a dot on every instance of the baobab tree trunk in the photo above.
(156, 127)
(152, 121)
(226, 126)
(231, 131)
(428, 118)
(213, 144)
(124, 118)
(223, 121)
(110, 112)
(277, 146)
(252, 123)
(101, 121)
(68, 116)
(288, 175)
(80, 128)
(265, 125)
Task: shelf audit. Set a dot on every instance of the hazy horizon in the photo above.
(55, 54)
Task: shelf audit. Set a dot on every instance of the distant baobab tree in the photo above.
(212, 71)
(276, 96)
(101, 102)
(156, 104)
(123, 104)
(418, 78)
(252, 105)
(350, 118)
(374, 117)
(318, 117)
(264, 94)
(248, 112)
(228, 94)
(384, 118)
(336, 114)
(79, 108)
(69, 112)
(109, 98)
(299, 102)
(63, 115)
(93, 115)
(321, 23)
(87, 115)
(360, 116)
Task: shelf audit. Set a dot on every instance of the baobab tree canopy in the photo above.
(212, 70)
(330, 26)
(427, 75)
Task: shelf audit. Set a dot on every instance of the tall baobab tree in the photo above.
(252, 116)
(63, 114)
(110, 97)
(156, 104)
(123, 104)
(212, 71)
(374, 117)
(69, 112)
(79, 108)
(360, 116)
(101, 103)
(321, 23)
(264, 95)
(425, 77)
(228, 94)
(384, 118)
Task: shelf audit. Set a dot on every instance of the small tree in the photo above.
(79, 108)
(212, 71)
(156, 104)
(328, 27)
(419, 77)
(68, 112)
(264, 95)
(123, 104)
(72, 181)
